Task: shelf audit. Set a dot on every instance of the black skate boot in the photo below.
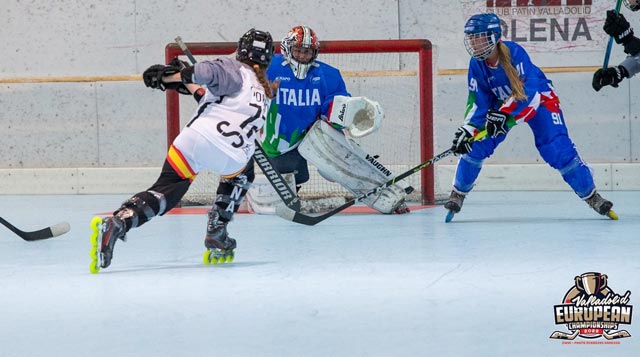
(105, 235)
(217, 241)
(112, 229)
(601, 205)
(454, 205)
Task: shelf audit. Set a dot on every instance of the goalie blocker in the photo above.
(341, 161)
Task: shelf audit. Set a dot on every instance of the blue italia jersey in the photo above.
(489, 88)
(298, 104)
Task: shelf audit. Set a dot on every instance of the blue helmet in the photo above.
(482, 32)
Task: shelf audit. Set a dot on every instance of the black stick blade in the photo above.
(45, 233)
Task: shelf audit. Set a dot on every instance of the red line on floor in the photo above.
(203, 210)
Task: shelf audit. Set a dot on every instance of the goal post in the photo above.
(397, 73)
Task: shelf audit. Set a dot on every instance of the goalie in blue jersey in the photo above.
(506, 88)
(308, 120)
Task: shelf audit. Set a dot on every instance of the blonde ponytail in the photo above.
(517, 87)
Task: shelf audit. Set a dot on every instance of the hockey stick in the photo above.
(274, 177)
(616, 334)
(308, 220)
(610, 44)
(49, 232)
(559, 335)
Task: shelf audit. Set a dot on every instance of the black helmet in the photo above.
(255, 46)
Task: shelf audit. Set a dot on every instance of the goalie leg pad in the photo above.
(347, 164)
(263, 198)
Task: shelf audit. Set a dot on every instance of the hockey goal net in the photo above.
(396, 73)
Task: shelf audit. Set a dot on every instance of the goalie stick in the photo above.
(274, 177)
(610, 44)
(45, 233)
(299, 217)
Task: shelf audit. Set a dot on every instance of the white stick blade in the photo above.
(60, 228)
(285, 212)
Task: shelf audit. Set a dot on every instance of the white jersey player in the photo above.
(618, 27)
(220, 137)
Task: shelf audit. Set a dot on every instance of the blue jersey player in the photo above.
(505, 88)
(312, 102)
(306, 91)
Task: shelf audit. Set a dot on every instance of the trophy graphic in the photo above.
(590, 283)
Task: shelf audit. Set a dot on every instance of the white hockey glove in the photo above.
(358, 116)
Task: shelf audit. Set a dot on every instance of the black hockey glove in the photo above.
(152, 78)
(632, 47)
(609, 76)
(496, 123)
(462, 140)
(617, 27)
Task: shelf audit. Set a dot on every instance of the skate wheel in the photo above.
(94, 267)
(95, 223)
(449, 216)
(611, 214)
(229, 258)
(206, 257)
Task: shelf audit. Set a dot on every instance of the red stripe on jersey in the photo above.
(180, 164)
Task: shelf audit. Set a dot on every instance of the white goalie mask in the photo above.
(301, 41)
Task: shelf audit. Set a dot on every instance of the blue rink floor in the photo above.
(354, 285)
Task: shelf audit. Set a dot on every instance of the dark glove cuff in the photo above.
(623, 71)
(187, 75)
(632, 46)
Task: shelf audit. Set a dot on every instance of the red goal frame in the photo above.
(425, 96)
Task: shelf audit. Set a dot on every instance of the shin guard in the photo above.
(140, 208)
(231, 191)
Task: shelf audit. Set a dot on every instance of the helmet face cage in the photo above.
(482, 33)
(633, 5)
(255, 46)
(480, 45)
(301, 37)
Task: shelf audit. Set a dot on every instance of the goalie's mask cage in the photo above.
(633, 5)
(255, 46)
(396, 73)
(482, 32)
(303, 37)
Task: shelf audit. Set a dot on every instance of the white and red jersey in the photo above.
(221, 133)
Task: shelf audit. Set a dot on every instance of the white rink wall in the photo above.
(110, 137)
